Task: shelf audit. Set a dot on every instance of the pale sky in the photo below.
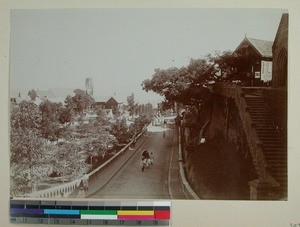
(119, 48)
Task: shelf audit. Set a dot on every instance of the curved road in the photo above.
(130, 182)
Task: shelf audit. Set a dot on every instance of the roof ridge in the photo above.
(259, 39)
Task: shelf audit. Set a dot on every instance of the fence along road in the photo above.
(129, 182)
(121, 176)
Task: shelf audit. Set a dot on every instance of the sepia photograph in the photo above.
(179, 104)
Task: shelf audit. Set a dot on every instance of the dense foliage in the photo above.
(52, 141)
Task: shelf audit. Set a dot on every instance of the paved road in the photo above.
(160, 181)
(131, 182)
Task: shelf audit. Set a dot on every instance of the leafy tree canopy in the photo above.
(131, 104)
(82, 100)
(26, 115)
(32, 94)
(184, 85)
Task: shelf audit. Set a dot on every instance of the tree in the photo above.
(26, 115)
(70, 103)
(228, 63)
(65, 115)
(139, 123)
(32, 94)
(27, 145)
(100, 144)
(50, 126)
(184, 85)
(82, 100)
(69, 160)
(121, 131)
(101, 117)
(187, 86)
(131, 104)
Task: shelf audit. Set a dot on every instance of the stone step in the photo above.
(282, 179)
(274, 152)
(274, 147)
(278, 164)
(254, 100)
(269, 138)
(264, 125)
(270, 143)
(264, 122)
(280, 176)
(264, 128)
(262, 117)
(277, 169)
(275, 158)
(269, 135)
(271, 159)
(280, 152)
(267, 143)
(262, 114)
(258, 109)
(256, 103)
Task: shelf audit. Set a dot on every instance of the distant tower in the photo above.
(89, 86)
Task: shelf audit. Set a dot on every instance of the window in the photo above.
(270, 67)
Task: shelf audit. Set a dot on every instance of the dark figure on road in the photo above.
(146, 154)
(133, 140)
(145, 159)
(165, 124)
(132, 145)
(85, 181)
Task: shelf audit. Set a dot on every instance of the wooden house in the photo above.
(255, 61)
(106, 102)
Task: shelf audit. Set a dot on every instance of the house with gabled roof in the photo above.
(256, 64)
(106, 102)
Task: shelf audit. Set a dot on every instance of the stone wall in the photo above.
(222, 167)
(280, 53)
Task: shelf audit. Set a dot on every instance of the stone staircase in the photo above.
(273, 140)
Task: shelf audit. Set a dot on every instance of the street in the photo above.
(130, 182)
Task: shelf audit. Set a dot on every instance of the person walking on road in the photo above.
(132, 145)
(85, 181)
(81, 193)
(145, 159)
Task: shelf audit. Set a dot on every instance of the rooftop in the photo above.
(263, 47)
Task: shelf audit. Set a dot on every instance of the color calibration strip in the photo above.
(90, 212)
